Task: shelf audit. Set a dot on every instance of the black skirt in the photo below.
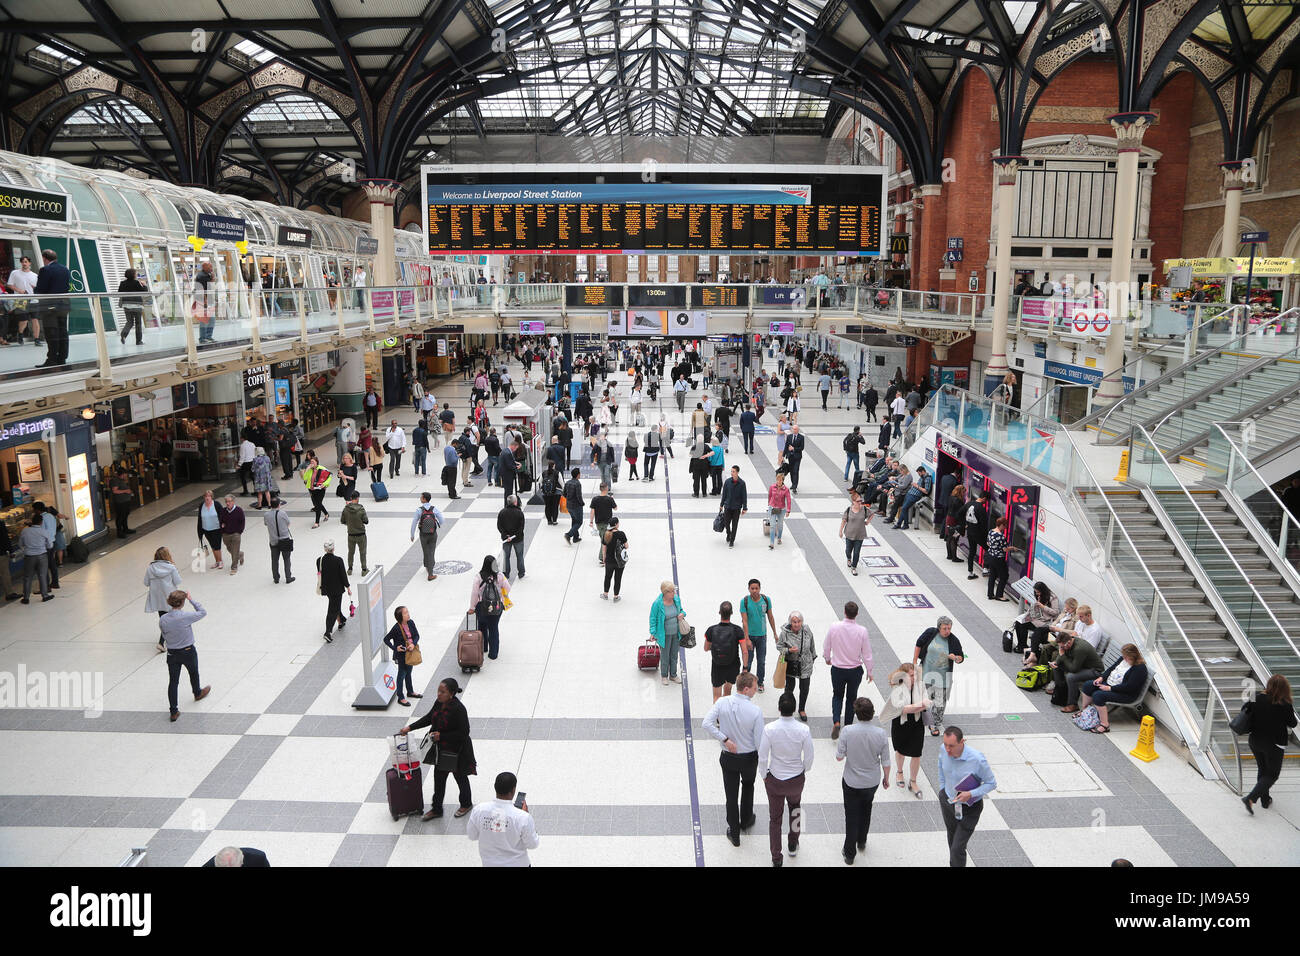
(907, 736)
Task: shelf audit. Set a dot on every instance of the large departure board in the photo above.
(695, 209)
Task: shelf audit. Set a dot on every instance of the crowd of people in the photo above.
(877, 749)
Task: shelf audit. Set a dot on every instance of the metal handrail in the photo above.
(1118, 526)
(1181, 344)
(1264, 486)
(1265, 363)
(1209, 524)
(1204, 356)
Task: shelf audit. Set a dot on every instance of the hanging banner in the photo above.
(222, 228)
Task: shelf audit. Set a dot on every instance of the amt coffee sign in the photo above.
(16, 203)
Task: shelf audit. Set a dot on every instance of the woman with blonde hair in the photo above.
(904, 708)
(1118, 684)
(666, 621)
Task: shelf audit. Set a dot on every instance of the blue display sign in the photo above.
(221, 228)
(1053, 560)
(1080, 375)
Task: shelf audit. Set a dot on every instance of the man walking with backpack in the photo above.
(550, 488)
(852, 443)
(355, 519)
(573, 501)
(510, 525)
(427, 520)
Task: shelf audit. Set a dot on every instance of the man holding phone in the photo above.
(503, 828)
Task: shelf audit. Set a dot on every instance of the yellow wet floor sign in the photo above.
(1146, 745)
(1123, 466)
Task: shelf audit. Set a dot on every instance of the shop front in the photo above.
(51, 459)
(165, 439)
(317, 406)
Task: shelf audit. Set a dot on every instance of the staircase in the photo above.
(1263, 390)
(1273, 588)
(1208, 635)
(1274, 427)
(1166, 395)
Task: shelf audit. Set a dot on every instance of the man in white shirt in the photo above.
(22, 281)
(247, 452)
(504, 833)
(736, 722)
(898, 409)
(785, 755)
(429, 405)
(394, 441)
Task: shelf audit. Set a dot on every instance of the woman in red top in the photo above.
(778, 507)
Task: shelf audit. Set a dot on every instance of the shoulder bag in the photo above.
(686, 633)
(1242, 724)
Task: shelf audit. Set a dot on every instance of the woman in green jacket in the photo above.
(666, 629)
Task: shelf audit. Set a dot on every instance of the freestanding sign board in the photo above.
(380, 685)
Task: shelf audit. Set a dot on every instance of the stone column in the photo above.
(1232, 186)
(1129, 129)
(1006, 169)
(382, 193)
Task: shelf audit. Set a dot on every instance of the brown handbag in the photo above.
(413, 656)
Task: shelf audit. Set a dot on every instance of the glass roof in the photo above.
(290, 107)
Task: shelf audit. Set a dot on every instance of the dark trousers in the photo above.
(35, 566)
(997, 576)
(857, 816)
(951, 537)
(552, 503)
(246, 474)
(738, 773)
(748, 441)
(715, 473)
(279, 551)
(972, 549)
(650, 462)
(286, 461)
(575, 517)
(120, 513)
(853, 551)
(54, 326)
(700, 480)
(372, 416)
(779, 794)
(616, 574)
(334, 612)
(188, 658)
(52, 557)
(959, 831)
(489, 624)
(134, 318)
(440, 788)
(792, 463)
(825, 395)
(518, 548)
(1268, 765)
(844, 683)
(394, 462)
(317, 503)
(733, 522)
(429, 550)
(449, 479)
(404, 680)
(804, 683)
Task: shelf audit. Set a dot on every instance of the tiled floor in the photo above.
(277, 758)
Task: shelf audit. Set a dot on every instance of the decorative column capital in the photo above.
(1006, 168)
(1129, 129)
(929, 189)
(1234, 172)
(382, 190)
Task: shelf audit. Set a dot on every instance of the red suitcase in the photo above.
(405, 792)
(469, 648)
(647, 656)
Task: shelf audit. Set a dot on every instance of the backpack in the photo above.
(491, 598)
(428, 522)
(849, 443)
(1032, 678)
(548, 484)
(1087, 718)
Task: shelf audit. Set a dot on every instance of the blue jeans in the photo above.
(404, 680)
(777, 517)
(905, 512)
(518, 548)
(851, 461)
(852, 551)
(489, 625)
(492, 467)
(758, 659)
(575, 515)
(418, 456)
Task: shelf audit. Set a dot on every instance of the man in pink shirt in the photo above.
(848, 650)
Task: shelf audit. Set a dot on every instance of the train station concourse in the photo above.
(509, 433)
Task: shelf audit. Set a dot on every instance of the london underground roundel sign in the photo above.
(1081, 320)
